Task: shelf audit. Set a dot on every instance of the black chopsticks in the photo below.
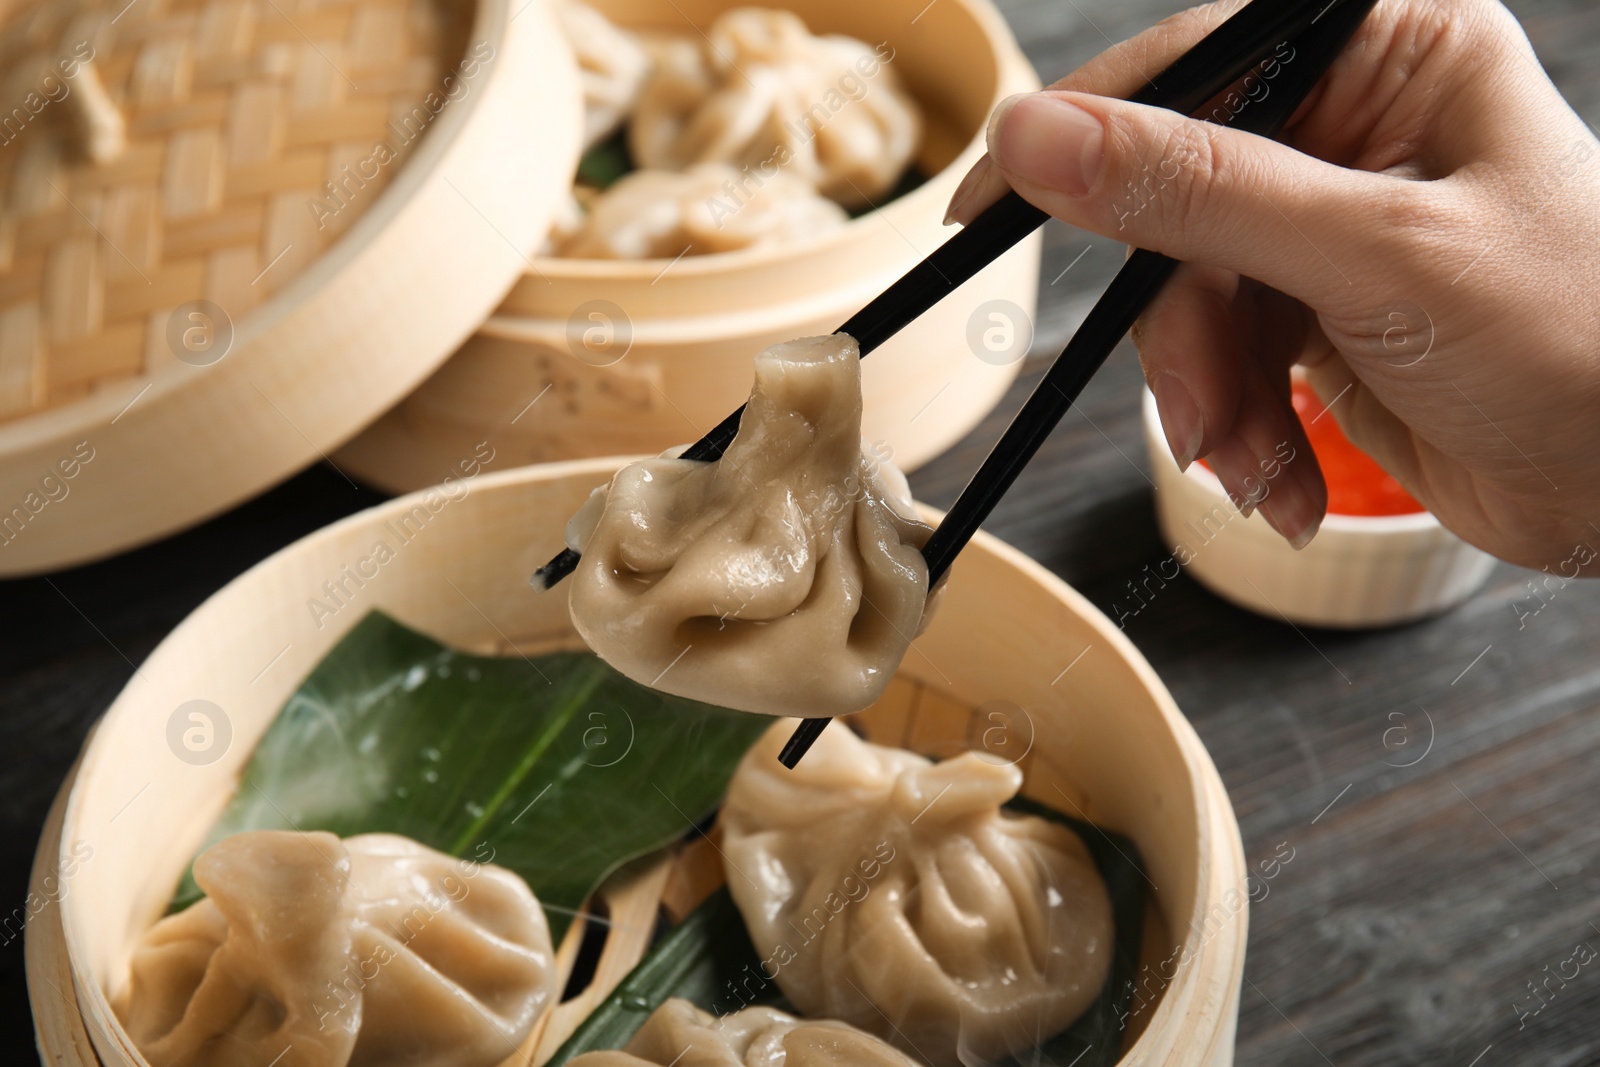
(1124, 300)
(1216, 62)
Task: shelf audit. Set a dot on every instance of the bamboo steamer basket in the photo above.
(1097, 735)
(693, 325)
(165, 152)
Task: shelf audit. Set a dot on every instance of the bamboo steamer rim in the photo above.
(418, 265)
(1193, 1023)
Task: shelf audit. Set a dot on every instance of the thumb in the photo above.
(1196, 191)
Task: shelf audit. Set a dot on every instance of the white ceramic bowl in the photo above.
(1357, 572)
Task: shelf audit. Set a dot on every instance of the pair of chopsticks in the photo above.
(1318, 30)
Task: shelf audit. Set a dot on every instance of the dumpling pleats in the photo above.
(896, 895)
(309, 951)
(785, 578)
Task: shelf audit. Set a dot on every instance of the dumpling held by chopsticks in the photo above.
(785, 578)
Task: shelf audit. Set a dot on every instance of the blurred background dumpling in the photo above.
(655, 214)
(762, 93)
(612, 66)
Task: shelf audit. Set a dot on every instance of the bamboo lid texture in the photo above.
(233, 232)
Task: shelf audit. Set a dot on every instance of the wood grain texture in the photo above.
(1406, 926)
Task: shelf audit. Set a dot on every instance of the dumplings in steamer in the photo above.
(653, 214)
(785, 578)
(894, 894)
(678, 1034)
(612, 67)
(372, 952)
(762, 93)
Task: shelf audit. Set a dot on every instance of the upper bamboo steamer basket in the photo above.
(1100, 728)
(183, 162)
(692, 327)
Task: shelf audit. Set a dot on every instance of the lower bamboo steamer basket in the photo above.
(683, 333)
(1102, 734)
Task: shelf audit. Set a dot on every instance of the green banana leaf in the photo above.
(606, 162)
(556, 767)
(708, 960)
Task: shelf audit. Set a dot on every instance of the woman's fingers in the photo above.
(1217, 351)
(1190, 354)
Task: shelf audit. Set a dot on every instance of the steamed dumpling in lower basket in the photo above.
(785, 578)
(311, 952)
(893, 893)
(678, 1034)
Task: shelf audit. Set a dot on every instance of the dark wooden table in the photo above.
(1423, 902)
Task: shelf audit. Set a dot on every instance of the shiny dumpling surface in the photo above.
(895, 894)
(760, 91)
(678, 1034)
(371, 951)
(785, 578)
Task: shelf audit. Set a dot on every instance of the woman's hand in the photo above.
(1425, 242)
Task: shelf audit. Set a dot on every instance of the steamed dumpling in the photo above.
(612, 67)
(237, 976)
(372, 952)
(655, 214)
(893, 893)
(759, 91)
(785, 578)
(678, 1034)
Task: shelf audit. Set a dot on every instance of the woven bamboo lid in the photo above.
(233, 232)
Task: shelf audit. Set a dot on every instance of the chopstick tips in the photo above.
(546, 577)
(804, 736)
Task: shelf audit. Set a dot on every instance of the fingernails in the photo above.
(964, 191)
(1180, 418)
(1046, 141)
(1236, 469)
(1294, 507)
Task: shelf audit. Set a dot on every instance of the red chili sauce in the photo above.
(1356, 484)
